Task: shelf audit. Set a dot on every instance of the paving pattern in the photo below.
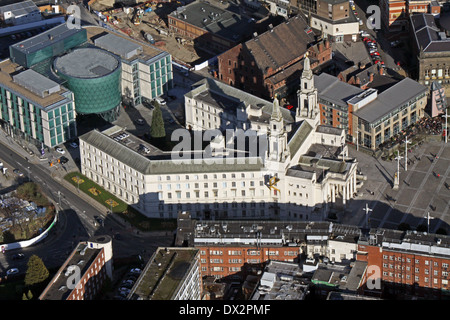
(422, 190)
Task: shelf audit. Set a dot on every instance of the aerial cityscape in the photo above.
(236, 151)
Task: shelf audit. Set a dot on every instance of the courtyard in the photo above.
(423, 189)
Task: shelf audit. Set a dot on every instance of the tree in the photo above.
(422, 228)
(157, 129)
(404, 226)
(36, 273)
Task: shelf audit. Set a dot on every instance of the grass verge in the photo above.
(119, 207)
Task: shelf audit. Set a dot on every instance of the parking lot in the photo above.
(423, 189)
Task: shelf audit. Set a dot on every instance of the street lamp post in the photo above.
(406, 153)
(398, 158)
(397, 174)
(446, 125)
(357, 139)
(367, 210)
(428, 221)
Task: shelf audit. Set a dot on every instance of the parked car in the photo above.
(136, 270)
(18, 256)
(63, 160)
(73, 145)
(160, 100)
(17, 171)
(99, 220)
(12, 271)
(60, 150)
(395, 43)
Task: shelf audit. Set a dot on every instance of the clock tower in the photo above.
(308, 108)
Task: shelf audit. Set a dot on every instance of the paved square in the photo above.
(420, 190)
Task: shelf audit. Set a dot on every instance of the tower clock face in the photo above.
(271, 182)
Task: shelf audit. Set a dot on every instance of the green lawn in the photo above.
(122, 209)
(96, 192)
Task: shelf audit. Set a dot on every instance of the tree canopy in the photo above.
(37, 272)
(157, 129)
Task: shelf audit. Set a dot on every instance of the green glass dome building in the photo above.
(94, 77)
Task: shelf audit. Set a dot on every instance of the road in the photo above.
(76, 222)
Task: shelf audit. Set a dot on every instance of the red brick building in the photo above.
(271, 62)
(83, 273)
(211, 28)
(361, 77)
(395, 14)
(411, 263)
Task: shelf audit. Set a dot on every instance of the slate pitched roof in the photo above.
(428, 36)
(277, 47)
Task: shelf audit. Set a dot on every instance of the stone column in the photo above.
(333, 193)
(344, 194)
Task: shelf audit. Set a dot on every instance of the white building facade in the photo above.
(279, 182)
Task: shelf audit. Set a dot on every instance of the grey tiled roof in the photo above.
(230, 97)
(391, 99)
(147, 165)
(299, 136)
(333, 90)
(221, 22)
(427, 34)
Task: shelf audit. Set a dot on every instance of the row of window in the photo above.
(206, 185)
(249, 252)
(417, 270)
(212, 176)
(416, 278)
(408, 260)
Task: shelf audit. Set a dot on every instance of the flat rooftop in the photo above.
(8, 69)
(229, 230)
(36, 83)
(148, 51)
(411, 241)
(87, 63)
(118, 45)
(20, 8)
(43, 39)
(281, 281)
(163, 274)
(82, 257)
